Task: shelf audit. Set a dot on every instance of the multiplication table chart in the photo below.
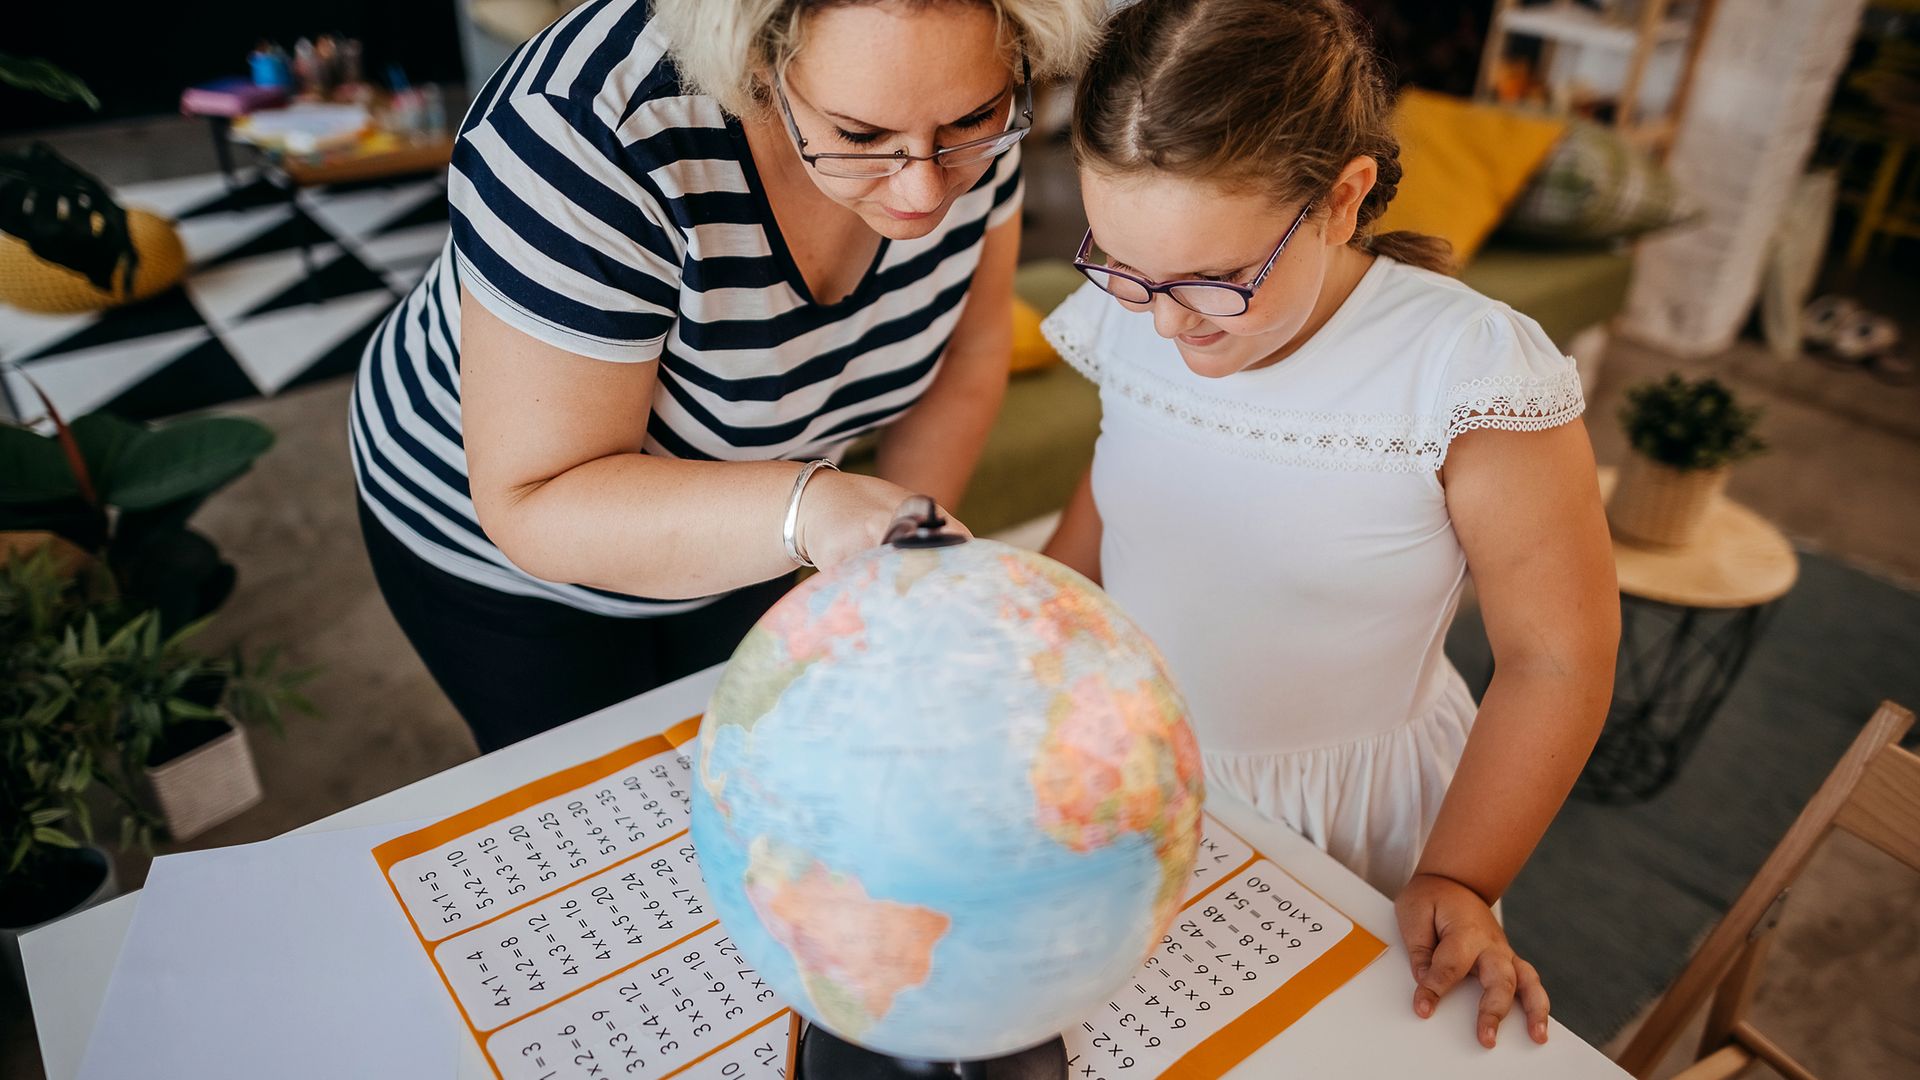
(1249, 953)
(569, 921)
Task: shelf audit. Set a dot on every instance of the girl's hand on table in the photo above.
(1451, 932)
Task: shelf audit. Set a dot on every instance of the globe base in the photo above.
(826, 1056)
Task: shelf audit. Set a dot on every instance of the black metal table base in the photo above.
(1676, 665)
(825, 1056)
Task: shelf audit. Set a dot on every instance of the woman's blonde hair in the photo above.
(1274, 96)
(718, 45)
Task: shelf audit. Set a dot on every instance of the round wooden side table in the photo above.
(1689, 619)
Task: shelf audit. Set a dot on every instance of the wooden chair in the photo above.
(1873, 793)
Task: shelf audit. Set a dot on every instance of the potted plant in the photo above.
(88, 687)
(126, 492)
(1685, 435)
(65, 244)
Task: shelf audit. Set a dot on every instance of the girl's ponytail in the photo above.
(1401, 245)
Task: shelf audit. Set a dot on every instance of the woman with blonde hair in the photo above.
(698, 247)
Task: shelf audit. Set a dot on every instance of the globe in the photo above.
(947, 799)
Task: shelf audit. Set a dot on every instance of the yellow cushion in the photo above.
(1464, 163)
(34, 284)
(1030, 349)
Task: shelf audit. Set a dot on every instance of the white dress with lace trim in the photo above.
(1282, 534)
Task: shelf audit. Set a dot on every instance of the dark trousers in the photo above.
(515, 666)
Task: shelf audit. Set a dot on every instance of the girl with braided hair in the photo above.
(1311, 437)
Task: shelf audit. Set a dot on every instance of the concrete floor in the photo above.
(1842, 478)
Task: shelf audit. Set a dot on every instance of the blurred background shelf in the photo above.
(1629, 65)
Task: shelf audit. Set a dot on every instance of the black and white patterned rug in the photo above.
(249, 319)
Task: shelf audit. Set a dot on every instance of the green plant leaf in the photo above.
(54, 837)
(47, 816)
(183, 709)
(122, 638)
(1690, 424)
(188, 632)
(104, 439)
(32, 469)
(42, 77)
(184, 459)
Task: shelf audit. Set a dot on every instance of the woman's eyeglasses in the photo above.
(879, 166)
(1218, 299)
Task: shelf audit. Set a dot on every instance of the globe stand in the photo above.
(826, 1056)
(919, 524)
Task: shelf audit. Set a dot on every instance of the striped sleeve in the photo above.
(557, 234)
(1009, 187)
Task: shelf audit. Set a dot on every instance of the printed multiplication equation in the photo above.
(523, 856)
(1220, 853)
(1227, 953)
(696, 1010)
(540, 953)
(572, 926)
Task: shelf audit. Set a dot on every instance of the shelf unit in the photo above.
(1562, 24)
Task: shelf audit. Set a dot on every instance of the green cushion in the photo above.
(1565, 291)
(1035, 454)
(1595, 187)
(1045, 282)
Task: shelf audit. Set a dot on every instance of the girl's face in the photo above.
(875, 78)
(1168, 228)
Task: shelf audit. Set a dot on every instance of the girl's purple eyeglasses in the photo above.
(1217, 299)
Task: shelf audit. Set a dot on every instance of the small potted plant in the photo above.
(125, 493)
(1686, 435)
(89, 687)
(49, 866)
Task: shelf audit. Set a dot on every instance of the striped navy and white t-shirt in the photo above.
(601, 208)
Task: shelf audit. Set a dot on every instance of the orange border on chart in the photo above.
(1211, 1059)
(521, 798)
(524, 797)
(1273, 1014)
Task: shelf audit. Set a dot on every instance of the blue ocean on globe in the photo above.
(945, 800)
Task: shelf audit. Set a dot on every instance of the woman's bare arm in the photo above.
(560, 485)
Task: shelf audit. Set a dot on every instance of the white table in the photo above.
(1365, 1030)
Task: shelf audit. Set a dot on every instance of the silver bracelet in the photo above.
(789, 530)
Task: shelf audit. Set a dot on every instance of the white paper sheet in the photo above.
(287, 958)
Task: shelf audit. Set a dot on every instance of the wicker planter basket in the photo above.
(206, 785)
(1661, 506)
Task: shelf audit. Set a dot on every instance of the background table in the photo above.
(1366, 1030)
(1689, 618)
(382, 159)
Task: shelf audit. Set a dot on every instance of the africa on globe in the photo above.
(947, 799)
